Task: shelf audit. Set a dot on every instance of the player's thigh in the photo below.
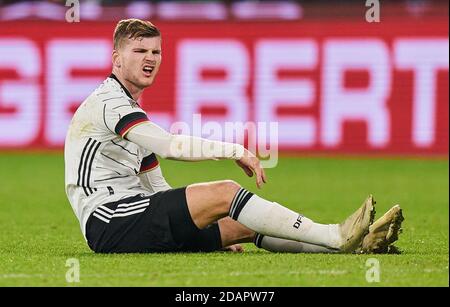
(233, 232)
(210, 201)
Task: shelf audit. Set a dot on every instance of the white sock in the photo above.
(272, 219)
(278, 245)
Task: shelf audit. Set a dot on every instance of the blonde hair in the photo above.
(132, 29)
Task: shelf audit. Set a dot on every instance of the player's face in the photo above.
(140, 60)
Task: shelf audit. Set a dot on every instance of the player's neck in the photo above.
(131, 89)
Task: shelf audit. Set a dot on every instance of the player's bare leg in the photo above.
(204, 206)
(232, 233)
(209, 202)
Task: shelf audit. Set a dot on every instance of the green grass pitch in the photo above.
(39, 231)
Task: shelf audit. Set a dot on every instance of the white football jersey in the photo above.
(101, 166)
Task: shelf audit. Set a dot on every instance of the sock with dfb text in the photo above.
(272, 219)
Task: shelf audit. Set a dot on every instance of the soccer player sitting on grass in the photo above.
(117, 191)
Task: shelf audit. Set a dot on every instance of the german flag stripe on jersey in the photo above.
(129, 121)
(149, 163)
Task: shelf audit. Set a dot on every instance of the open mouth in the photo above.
(148, 69)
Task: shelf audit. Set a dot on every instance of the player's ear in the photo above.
(116, 59)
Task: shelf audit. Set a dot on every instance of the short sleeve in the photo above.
(121, 114)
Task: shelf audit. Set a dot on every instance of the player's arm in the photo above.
(132, 123)
(189, 148)
(182, 147)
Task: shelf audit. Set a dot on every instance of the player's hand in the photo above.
(236, 248)
(251, 165)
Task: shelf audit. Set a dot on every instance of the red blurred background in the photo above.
(331, 80)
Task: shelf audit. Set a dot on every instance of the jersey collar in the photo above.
(113, 76)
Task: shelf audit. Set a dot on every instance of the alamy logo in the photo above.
(73, 273)
(373, 13)
(298, 222)
(73, 13)
(373, 270)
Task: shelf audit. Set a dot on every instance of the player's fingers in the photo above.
(257, 169)
(263, 173)
(239, 248)
(248, 170)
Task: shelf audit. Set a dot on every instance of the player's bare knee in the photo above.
(226, 190)
(231, 186)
